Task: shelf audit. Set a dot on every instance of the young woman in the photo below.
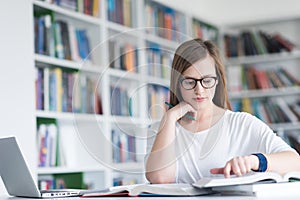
(199, 135)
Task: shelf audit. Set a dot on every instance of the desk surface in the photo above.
(215, 197)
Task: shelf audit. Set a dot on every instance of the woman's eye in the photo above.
(190, 82)
(207, 81)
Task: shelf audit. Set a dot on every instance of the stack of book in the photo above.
(249, 43)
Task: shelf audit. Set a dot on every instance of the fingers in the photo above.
(238, 166)
(182, 109)
(217, 171)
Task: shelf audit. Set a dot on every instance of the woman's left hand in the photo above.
(238, 166)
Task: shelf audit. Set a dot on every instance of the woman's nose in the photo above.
(199, 87)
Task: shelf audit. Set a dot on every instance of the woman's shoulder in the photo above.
(244, 119)
(239, 116)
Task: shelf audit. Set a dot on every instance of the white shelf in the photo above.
(121, 28)
(162, 41)
(128, 120)
(91, 117)
(285, 126)
(79, 16)
(130, 166)
(272, 92)
(61, 170)
(264, 58)
(68, 116)
(82, 66)
(124, 74)
(157, 81)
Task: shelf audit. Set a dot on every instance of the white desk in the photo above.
(215, 197)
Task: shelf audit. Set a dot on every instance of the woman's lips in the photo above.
(199, 99)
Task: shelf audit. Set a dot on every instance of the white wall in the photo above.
(17, 77)
(227, 12)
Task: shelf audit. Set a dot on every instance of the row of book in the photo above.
(88, 7)
(249, 43)
(123, 56)
(121, 11)
(166, 22)
(124, 181)
(62, 181)
(157, 96)
(275, 110)
(60, 39)
(292, 137)
(252, 78)
(124, 146)
(47, 140)
(66, 91)
(205, 31)
(47, 145)
(159, 61)
(120, 101)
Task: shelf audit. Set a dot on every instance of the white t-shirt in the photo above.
(235, 134)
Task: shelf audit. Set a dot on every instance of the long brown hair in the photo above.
(189, 53)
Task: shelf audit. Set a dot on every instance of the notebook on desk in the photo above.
(17, 177)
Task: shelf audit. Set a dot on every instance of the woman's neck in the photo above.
(204, 119)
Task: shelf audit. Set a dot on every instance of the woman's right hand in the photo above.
(180, 110)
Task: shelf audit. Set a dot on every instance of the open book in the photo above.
(150, 190)
(282, 189)
(250, 178)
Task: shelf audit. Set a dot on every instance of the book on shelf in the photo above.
(88, 7)
(47, 139)
(257, 42)
(250, 77)
(157, 95)
(124, 146)
(120, 11)
(249, 178)
(293, 139)
(123, 56)
(118, 181)
(275, 110)
(62, 181)
(159, 61)
(60, 39)
(149, 190)
(164, 21)
(119, 101)
(205, 31)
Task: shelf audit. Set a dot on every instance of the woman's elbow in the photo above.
(159, 178)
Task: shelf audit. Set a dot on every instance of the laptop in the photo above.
(17, 177)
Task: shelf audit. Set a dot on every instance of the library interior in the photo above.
(82, 80)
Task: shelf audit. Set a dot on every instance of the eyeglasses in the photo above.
(206, 82)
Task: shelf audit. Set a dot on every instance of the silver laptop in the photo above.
(17, 177)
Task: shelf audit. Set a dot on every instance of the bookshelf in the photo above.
(243, 63)
(102, 84)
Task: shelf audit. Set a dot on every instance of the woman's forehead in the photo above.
(201, 68)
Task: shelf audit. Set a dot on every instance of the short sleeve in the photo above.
(269, 141)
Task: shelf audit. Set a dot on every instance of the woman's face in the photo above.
(199, 97)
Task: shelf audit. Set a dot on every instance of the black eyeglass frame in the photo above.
(200, 80)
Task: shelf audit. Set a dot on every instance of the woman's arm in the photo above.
(281, 162)
(161, 163)
(160, 166)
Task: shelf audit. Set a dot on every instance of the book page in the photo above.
(167, 189)
(251, 177)
(292, 176)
